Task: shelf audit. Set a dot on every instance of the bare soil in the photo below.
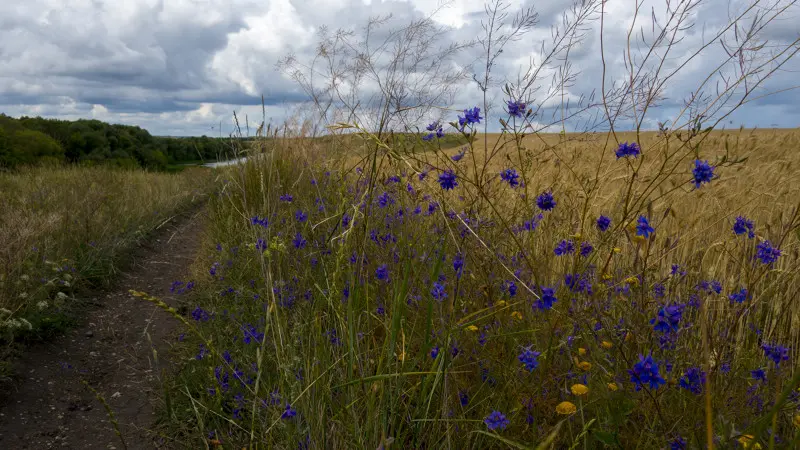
(113, 350)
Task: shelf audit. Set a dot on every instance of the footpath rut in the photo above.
(50, 407)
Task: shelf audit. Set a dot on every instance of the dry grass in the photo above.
(76, 221)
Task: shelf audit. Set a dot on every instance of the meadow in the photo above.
(66, 229)
(542, 290)
(383, 272)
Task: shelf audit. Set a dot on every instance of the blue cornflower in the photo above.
(564, 247)
(423, 174)
(547, 299)
(289, 412)
(298, 241)
(758, 374)
(693, 380)
(677, 271)
(200, 315)
(458, 264)
(382, 273)
(603, 223)
(256, 220)
(435, 352)
(512, 288)
(767, 253)
(743, 225)
(511, 177)
(516, 108)
(286, 198)
(528, 358)
(261, 244)
(435, 129)
(202, 353)
(447, 180)
(463, 398)
(586, 249)
(668, 319)
(496, 420)
(300, 216)
(625, 149)
(470, 116)
(226, 355)
(457, 157)
(678, 443)
(251, 334)
(345, 220)
(545, 201)
(438, 292)
(776, 353)
(739, 296)
(703, 173)
(385, 200)
(530, 225)
(643, 227)
(646, 372)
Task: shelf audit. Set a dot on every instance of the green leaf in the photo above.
(506, 441)
(606, 438)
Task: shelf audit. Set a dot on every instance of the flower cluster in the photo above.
(625, 149)
(645, 372)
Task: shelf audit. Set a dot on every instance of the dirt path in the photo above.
(51, 408)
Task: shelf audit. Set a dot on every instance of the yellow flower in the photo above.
(634, 281)
(566, 408)
(607, 276)
(747, 442)
(516, 315)
(612, 387)
(585, 365)
(797, 421)
(577, 236)
(502, 303)
(606, 345)
(617, 250)
(472, 328)
(579, 389)
(581, 351)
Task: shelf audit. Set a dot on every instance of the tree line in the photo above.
(38, 141)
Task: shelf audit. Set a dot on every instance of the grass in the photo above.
(64, 229)
(342, 319)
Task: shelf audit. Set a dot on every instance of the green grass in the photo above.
(352, 353)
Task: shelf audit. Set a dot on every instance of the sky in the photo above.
(183, 67)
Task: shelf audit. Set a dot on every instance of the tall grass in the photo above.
(64, 228)
(360, 291)
(366, 360)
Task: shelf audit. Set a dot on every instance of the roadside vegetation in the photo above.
(66, 229)
(585, 289)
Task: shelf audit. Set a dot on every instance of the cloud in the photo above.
(181, 67)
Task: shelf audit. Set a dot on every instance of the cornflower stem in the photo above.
(775, 416)
(707, 387)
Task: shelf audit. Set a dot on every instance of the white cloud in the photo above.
(183, 66)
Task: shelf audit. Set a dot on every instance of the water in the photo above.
(229, 162)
